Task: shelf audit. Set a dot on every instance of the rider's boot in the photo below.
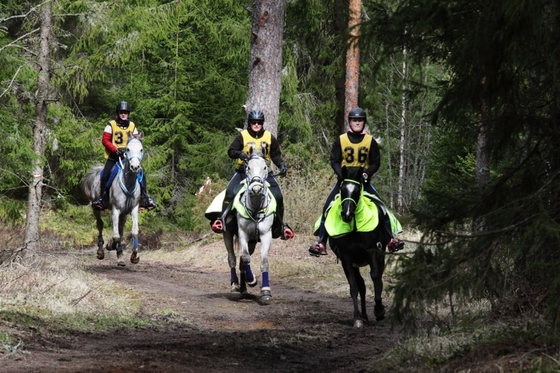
(146, 202)
(319, 248)
(395, 245)
(287, 232)
(219, 226)
(100, 203)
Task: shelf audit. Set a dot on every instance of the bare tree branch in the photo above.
(11, 81)
(18, 39)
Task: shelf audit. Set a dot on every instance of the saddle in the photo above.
(215, 209)
(115, 171)
(366, 217)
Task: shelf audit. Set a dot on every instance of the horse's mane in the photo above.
(256, 153)
(352, 173)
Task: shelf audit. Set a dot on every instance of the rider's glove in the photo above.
(243, 156)
(120, 152)
(283, 170)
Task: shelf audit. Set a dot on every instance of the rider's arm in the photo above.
(236, 147)
(336, 158)
(275, 153)
(107, 139)
(374, 159)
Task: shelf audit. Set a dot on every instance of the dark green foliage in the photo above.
(497, 241)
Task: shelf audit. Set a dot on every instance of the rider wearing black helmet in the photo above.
(355, 142)
(115, 138)
(256, 137)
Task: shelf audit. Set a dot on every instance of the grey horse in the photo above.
(124, 199)
(254, 215)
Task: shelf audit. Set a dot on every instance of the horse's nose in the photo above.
(347, 218)
(134, 167)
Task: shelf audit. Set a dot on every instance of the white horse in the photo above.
(254, 214)
(124, 199)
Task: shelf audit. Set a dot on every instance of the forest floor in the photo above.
(198, 325)
(208, 328)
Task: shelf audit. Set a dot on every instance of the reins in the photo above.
(125, 171)
(350, 198)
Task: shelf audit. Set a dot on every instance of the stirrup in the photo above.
(287, 233)
(147, 204)
(395, 245)
(218, 226)
(98, 204)
(318, 249)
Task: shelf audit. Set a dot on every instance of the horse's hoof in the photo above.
(379, 312)
(266, 296)
(234, 287)
(121, 263)
(134, 257)
(358, 323)
(252, 283)
(100, 253)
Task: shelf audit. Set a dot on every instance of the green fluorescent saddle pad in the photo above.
(215, 209)
(366, 218)
(237, 205)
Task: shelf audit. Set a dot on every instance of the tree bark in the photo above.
(265, 61)
(31, 243)
(352, 60)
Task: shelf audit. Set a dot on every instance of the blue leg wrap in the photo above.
(134, 243)
(248, 273)
(265, 279)
(233, 277)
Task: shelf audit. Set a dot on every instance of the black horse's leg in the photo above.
(350, 276)
(120, 248)
(376, 274)
(100, 242)
(362, 291)
(243, 278)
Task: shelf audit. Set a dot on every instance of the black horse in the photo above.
(360, 248)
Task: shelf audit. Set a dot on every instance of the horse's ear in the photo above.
(139, 136)
(344, 172)
(251, 149)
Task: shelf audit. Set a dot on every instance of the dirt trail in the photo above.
(206, 328)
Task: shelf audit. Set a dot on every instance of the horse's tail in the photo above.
(91, 182)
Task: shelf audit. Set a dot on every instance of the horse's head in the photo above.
(350, 191)
(134, 154)
(257, 171)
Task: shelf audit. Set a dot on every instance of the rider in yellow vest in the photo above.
(115, 137)
(353, 149)
(255, 136)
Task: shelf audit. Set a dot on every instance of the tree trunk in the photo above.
(352, 60)
(265, 61)
(403, 132)
(36, 182)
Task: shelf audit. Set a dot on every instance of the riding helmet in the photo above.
(357, 113)
(255, 116)
(123, 106)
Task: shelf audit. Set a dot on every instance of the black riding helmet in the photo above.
(255, 116)
(122, 106)
(357, 113)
